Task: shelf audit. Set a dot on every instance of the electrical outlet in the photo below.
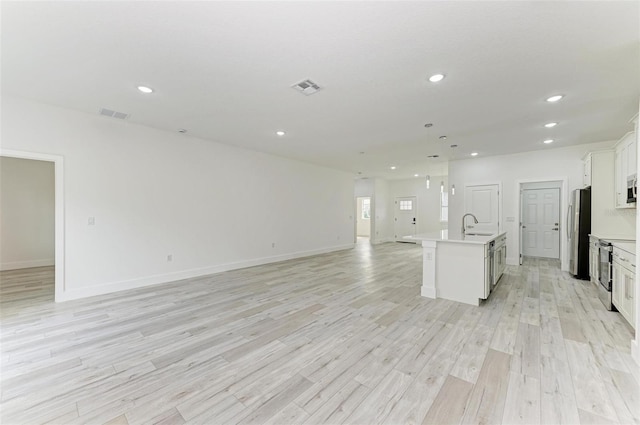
(170, 257)
(91, 221)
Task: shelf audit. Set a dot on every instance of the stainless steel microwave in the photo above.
(632, 188)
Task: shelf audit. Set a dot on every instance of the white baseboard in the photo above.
(90, 291)
(27, 264)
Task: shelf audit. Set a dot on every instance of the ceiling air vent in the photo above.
(113, 114)
(306, 87)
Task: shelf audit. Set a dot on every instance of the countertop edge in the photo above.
(489, 239)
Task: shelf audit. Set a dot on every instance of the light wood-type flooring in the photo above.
(336, 338)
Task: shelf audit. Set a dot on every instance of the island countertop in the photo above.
(454, 237)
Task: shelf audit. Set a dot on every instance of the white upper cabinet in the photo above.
(625, 168)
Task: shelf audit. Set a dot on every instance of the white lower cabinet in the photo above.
(623, 291)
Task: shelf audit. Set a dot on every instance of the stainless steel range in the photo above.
(605, 272)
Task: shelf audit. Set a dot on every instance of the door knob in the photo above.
(555, 228)
(524, 227)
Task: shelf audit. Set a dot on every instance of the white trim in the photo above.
(58, 162)
(635, 350)
(564, 204)
(15, 265)
(124, 285)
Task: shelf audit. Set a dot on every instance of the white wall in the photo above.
(211, 206)
(363, 226)
(510, 170)
(26, 213)
(428, 200)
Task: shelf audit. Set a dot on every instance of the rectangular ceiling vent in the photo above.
(306, 87)
(113, 114)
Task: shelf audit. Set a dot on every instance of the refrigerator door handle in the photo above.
(568, 217)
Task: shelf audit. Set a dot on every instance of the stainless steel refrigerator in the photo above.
(578, 229)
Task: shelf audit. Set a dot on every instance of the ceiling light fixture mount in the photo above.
(428, 125)
(548, 141)
(443, 137)
(551, 124)
(280, 133)
(436, 78)
(474, 153)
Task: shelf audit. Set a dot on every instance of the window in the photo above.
(366, 209)
(406, 205)
(444, 206)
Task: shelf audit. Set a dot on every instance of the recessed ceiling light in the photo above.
(393, 167)
(435, 78)
(416, 175)
(280, 133)
(182, 130)
(555, 98)
(443, 137)
(474, 153)
(551, 124)
(145, 89)
(546, 142)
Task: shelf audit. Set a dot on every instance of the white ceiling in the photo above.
(223, 71)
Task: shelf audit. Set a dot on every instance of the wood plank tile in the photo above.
(449, 406)
(334, 338)
(522, 405)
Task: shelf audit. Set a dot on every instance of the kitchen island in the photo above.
(461, 267)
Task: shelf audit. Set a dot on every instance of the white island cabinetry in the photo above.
(458, 267)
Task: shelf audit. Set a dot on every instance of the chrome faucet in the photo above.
(475, 220)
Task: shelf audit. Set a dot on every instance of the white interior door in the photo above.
(483, 202)
(405, 217)
(541, 223)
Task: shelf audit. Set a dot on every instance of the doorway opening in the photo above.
(39, 213)
(363, 219)
(540, 220)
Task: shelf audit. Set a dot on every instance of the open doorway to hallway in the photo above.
(32, 218)
(27, 223)
(363, 219)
